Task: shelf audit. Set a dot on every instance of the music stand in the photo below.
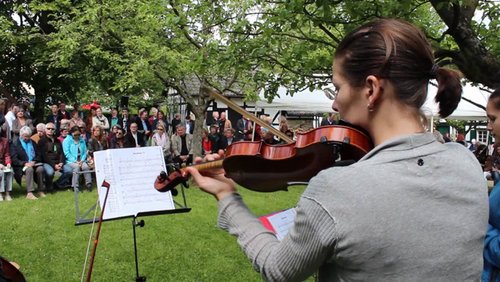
(125, 175)
(179, 208)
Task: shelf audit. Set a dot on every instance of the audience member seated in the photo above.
(19, 122)
(125, 121)
(189, 123)
(26, 160)
(62, 111)
(182, 146)
(214, 137)
(64, 133)
(113, 120)
(40, 132)
(87, 123)
(118, 140)
(223, 123)
(10, 116)
(227, 139)
(290, 134)
(5, 170)
(481, 153)
(329, 120)
(75, 119)
(52, 157)
(75, 151)
(175, 121)
(160, 117)
(143, 126)
(98, 141)
(153, 116)
(244, 129)
(85, 133)
(206, 143)
(65, 123)
(160, 138)
(100, 120)
(112, 133)
(55, 118)
(134, 138)
(267, 136)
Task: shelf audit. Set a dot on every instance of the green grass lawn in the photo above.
(42, 237)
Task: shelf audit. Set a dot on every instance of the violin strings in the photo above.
(88, 244)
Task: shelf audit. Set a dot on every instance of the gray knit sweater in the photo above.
(412, 209)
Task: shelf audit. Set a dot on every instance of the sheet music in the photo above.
(282, 222)
(131, 173)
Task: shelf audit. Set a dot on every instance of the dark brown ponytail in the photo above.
(449, 91)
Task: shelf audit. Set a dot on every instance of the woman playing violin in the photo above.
(410, 209)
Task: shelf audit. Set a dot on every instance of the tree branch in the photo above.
(183, 28)
(474, 60)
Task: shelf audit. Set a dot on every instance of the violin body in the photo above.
(10, 273)
(261, 167)
(266, 168)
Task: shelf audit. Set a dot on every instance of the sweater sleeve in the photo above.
(297, 256)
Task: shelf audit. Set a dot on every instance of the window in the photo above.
(482, 136)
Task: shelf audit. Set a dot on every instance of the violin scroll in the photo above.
(164, 182)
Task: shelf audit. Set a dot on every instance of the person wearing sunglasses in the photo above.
(118, 140)
(52, 157)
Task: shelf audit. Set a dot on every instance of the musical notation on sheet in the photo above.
(131, 174)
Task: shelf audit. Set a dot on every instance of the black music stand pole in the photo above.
(135, 223)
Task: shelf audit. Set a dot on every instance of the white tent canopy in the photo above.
(306, 101)
(316, 102)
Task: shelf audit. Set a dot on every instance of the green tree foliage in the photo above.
(25, 30)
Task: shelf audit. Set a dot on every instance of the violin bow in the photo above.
(96, 240)
(244, 113)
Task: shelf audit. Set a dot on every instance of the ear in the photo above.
(374, 86)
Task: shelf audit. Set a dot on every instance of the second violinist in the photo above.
(410, 209)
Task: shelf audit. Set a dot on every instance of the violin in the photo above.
(9, 271)
(260, 167)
